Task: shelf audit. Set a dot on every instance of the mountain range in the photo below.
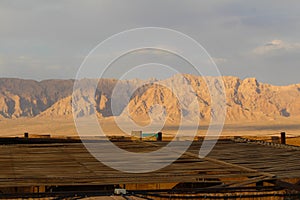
(246, 99)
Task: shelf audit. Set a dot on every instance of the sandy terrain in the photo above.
(66, 127)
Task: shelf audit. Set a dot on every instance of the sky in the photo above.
(50, 39)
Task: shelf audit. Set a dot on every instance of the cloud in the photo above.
(275, 45)
(219, 61)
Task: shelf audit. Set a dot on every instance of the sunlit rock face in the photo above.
(146, 100)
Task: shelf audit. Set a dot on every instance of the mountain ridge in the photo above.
(245, 98)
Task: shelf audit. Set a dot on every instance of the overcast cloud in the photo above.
(49, 39)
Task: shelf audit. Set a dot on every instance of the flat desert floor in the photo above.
(59, 127)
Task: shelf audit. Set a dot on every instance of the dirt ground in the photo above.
(65, 127)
